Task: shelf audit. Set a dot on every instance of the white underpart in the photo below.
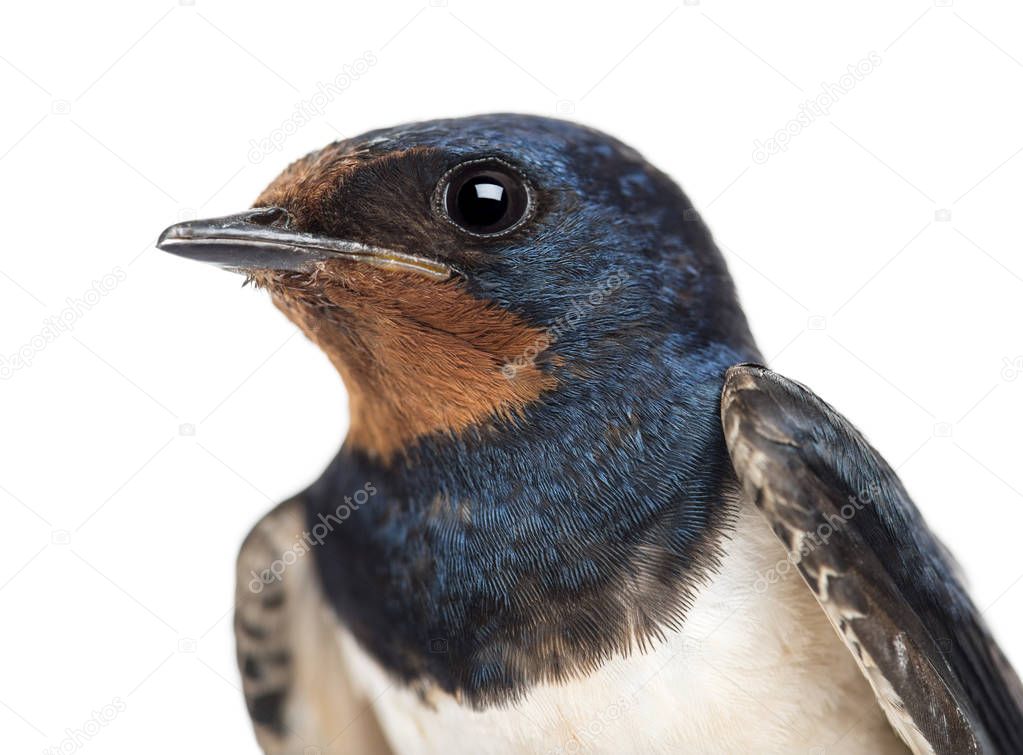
(757, 668)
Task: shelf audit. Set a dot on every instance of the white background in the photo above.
(120, 528)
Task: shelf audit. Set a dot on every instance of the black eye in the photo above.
(485, 197)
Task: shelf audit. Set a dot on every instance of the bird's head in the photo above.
(458, 272)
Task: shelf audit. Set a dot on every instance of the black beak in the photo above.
(263, 239)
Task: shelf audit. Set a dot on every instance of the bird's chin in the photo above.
(267, 279)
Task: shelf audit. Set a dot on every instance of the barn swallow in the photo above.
(573, 512)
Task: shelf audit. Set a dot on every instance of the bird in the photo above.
(574, 510)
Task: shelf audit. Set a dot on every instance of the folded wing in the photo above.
(883, 579)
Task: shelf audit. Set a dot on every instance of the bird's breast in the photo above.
(755, 668)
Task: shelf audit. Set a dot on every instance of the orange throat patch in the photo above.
(417, 356)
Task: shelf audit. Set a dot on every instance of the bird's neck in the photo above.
(527, 551)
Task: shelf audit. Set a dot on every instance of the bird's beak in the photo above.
(263, 239)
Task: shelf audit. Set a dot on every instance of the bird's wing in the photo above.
(881, 576)
(296, 685)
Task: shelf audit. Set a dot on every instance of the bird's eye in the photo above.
(485, 197)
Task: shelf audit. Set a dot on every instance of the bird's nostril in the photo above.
(276, 217)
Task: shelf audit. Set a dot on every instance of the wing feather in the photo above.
(883, 579)
(296, 683)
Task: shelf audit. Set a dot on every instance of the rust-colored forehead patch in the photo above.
(417, 356)
(304, 185)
